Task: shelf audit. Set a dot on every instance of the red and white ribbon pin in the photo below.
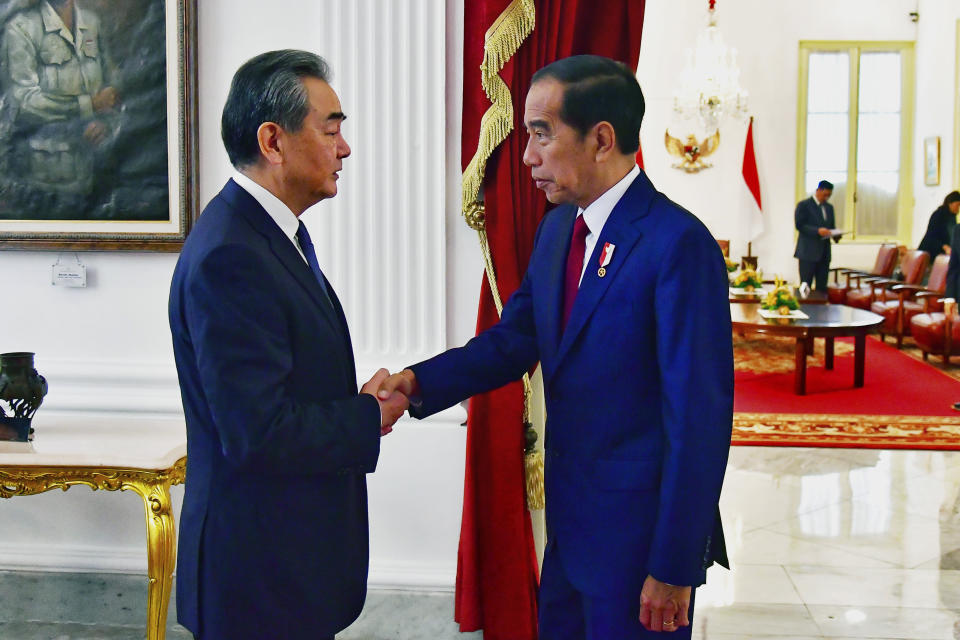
(606, 254)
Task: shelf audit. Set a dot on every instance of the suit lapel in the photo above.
(550, 302)
(283, 249)
(622, 231)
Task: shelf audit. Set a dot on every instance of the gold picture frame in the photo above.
(931, 161)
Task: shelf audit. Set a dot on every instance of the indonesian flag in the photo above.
(753, 209)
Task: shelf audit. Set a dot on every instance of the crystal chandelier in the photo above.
(709, 89)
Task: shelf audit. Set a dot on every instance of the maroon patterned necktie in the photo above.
(571, 282)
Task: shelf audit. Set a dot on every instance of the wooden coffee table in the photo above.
(827, 321)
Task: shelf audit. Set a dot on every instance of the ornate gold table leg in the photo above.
(161, 552)
(152, 485)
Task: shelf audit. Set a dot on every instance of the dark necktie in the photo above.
(571, 282)
(823, 212)
(303, 237)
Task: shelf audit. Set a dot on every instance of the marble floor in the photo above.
(825, 543)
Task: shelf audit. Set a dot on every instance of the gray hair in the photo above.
(267, 88)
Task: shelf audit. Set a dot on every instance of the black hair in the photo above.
(598, 89)
(825, 184)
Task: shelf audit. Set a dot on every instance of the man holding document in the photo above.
(816, 225)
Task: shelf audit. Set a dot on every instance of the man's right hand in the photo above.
(95, 132)
(823, 231)
(404, 382)
(392, 405)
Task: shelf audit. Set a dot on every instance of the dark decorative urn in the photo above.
(21, 392)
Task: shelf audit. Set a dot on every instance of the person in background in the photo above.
(943, 220)
(815, 222)
(953, 270)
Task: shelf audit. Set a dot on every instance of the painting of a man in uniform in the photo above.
(83, 110)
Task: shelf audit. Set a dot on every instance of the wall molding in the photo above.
(66, 558)
(84, 385)
(72, 558)
(110, 385)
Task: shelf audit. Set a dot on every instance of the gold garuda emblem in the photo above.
(691, 152)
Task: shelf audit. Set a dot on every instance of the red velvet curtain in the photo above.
(497, 567)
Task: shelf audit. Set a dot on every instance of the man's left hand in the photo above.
(663, 607)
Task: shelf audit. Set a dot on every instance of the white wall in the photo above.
(936, 103)
(766, 35)
(108, 348)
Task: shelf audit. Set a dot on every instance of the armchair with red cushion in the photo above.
(913, 264)
(911, 300)
(937, 333)
(882, 268)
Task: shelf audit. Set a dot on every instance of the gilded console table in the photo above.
(143, 455)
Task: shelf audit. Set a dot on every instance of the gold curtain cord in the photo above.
(501, 42)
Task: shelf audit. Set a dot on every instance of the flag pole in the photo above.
(750, 242)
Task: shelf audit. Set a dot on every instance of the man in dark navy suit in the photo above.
(273, 532)
(625, 306)
(815, 223)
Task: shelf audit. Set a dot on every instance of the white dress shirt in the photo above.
(596, 214)
(275, 208)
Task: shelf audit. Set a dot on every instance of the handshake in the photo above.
(393, 393)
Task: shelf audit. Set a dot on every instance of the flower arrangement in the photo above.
(748, 280)
(731, 264)
(781, 299)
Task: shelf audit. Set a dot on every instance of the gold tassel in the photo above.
(532, 457)
(501, 42)
(533, 468)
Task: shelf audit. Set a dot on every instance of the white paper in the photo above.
(796, 314)
(69, 275)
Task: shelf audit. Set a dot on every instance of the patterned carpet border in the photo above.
(846, 431)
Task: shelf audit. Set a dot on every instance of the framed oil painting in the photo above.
(98, 118)
(931, 161)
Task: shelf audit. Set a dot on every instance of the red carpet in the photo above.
(905, 403)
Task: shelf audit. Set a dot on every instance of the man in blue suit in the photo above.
(273, 531)
(814, 221)
(625, 306)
